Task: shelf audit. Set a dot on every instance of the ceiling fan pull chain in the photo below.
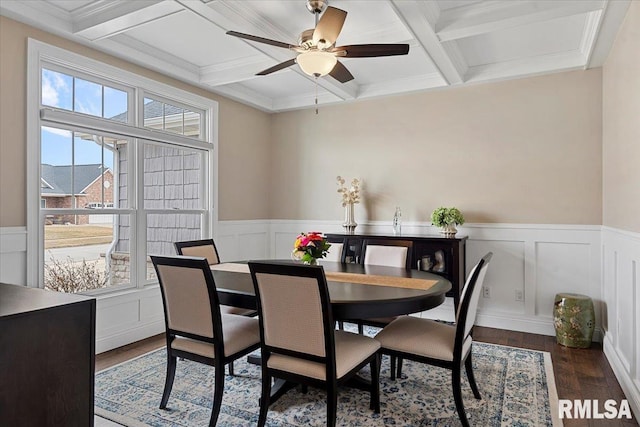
(316, 79)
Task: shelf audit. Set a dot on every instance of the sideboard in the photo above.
(438, 254)
(47, 356)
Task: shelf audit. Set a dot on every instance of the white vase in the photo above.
(349, 223)
(449, 229)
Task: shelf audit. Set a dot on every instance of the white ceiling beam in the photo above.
(485, 17)
(150, 57)
(236, 16)
(419, 17)
(105, 18)
(234, 71)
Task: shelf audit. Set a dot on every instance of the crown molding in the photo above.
(105, 19)
(407, 84)
(38, 14)
(244, 95)
(611, 19)
(526, 67)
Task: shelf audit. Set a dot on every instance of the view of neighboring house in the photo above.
(88, 186)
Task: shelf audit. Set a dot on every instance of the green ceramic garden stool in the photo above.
(574, 320)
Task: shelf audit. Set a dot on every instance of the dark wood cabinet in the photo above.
(47, 358)
(445, 256)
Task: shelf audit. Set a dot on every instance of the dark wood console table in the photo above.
(47, 355)
(452, 250)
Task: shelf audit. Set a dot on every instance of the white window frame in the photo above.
(42, 55)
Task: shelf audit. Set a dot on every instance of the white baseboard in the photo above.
(630, 387)
(129, 335)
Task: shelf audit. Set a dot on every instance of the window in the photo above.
(114, 187)
(172, 118)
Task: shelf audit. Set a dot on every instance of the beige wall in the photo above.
(243, 179)
(621, 127)
(519, 151)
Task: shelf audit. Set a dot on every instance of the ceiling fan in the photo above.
(317, 51)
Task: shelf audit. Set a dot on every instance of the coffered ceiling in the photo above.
(452, 42)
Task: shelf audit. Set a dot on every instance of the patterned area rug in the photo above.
(517, 387)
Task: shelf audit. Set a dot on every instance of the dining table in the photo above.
(356, 291)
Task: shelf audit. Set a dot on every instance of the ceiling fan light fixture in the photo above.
(316, 63)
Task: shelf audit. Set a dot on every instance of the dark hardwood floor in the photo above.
(579, 373)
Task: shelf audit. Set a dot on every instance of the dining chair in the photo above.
(195, 328)
(335, 253)
(386, 252)
(207, 248)
(390, 253)
(297, 337)
(440, 344)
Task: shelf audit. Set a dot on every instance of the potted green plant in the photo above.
(447, 219)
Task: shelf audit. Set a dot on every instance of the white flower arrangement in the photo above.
(349, 195)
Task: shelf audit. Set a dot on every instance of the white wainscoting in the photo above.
(537, 260)
(13, 255)
(621, 308)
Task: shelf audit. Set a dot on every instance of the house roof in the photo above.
(152, 110)
(56, 179)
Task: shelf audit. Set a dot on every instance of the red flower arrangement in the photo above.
(310, 246)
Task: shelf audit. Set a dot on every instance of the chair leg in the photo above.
(231, 368)
(265, 399)
(360, 329)
(468, 365)
(375, 383)
(399, 367)
(393, 366)
(341, 325)
(457, 395)
(332, 404)
(168, 382)
(218, 388)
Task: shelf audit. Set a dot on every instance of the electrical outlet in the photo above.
(485, 292)
(519, 295)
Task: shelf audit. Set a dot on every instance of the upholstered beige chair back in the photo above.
(391, 256)
(470, 302)
(204, 251)
(335, 253)
(186, 298)
(292, 313)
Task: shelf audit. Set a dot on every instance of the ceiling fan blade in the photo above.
(329, 26)
(260, 39)
(277, 67)
(370, 50)
(340, 73)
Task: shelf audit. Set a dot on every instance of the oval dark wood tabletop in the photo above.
(349, 300)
